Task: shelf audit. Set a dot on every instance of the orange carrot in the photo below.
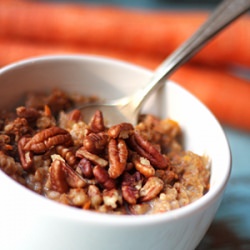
(145, 31)
(12, 50)
(227, 95)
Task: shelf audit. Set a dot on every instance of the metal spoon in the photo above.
(127, 109)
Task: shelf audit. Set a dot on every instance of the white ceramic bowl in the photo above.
(29, 221)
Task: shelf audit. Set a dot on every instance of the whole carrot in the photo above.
(227, 95)
(12, 50)
(136, 31)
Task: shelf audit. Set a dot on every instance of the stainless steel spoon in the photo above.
(127, 109)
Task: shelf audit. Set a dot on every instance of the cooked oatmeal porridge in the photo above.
(122, 169)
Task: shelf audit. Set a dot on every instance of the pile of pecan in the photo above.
(120, 169)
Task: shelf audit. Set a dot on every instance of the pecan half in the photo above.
(151, 189)
(143, 165)
(147, 150)
(97, 122)
(85, 168)
(75, 115)
(67, 154)
(83, 153)
(63, 176)
(58, 177)
(103, 178)
(47, 139)
(26, 157)
(73, 179)
(118, 154)
(130, 187)
(95, 142)
(122, 130)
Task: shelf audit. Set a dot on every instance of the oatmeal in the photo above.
(122, 169)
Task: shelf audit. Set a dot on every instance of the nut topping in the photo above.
(58, 177)
(26, 157)
(63, 176)
(67, 154)
(75, 115)
(122, 169)
(95, 142)
(48, 138)
(143, 165)
(118, 154)
(85, 167)
(147, 150)
(122, 130)
(83, 153)
(97, 122)
(131, 185)
(103, 178)
(151, 189)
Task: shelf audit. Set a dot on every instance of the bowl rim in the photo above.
(103, 219)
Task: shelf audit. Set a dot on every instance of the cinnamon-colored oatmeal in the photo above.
(118, 170)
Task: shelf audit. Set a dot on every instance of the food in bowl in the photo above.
(120, 169)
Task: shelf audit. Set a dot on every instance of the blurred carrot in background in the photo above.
(225, 94)
(12, 50)
(147, 31)
(143, 37)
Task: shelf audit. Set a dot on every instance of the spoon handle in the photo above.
(223, 15)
